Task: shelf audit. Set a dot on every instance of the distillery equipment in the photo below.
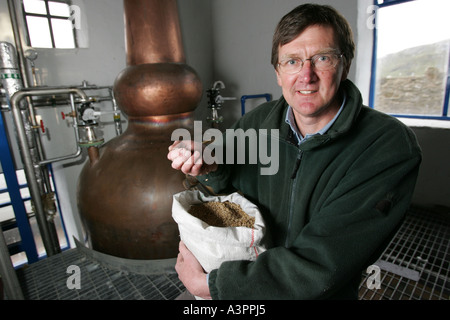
(125, 189)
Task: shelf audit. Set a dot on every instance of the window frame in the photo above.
(445, 115)
(49, 17)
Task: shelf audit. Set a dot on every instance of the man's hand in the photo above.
(191, 273)
(186, 156)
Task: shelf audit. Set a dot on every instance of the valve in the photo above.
(40, 125)
(215, 101)
(70, 114)
(88, 113)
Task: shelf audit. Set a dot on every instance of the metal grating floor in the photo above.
(415, 265)
(47, 280)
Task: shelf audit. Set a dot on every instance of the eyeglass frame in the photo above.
(338, 55)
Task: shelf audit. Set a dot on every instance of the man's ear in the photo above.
(278, 77)
(345, 72)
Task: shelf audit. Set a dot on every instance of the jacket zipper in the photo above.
(297, 164)
(292, 195)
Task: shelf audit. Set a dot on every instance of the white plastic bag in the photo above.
(213, 245)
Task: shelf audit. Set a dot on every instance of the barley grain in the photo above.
(222, 214)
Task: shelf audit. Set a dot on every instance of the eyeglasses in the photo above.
(321, 62)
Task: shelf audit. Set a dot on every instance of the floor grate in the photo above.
(47, 280)
(415, 265)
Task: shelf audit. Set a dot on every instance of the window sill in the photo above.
(425, 123)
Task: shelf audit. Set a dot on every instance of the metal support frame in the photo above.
(27, 241)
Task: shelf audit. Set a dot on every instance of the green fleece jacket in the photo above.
(331, 208)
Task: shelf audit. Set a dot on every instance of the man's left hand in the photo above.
(191, 273)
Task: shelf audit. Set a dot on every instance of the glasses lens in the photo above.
(321, 62)
(324, 61)
(291, 66)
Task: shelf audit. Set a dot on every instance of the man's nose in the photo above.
(307, 74)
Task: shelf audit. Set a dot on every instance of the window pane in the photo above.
(34, 6)
(448, 104)
(412, 57)
(59, 9)
(2, 181)
(39, 32)
(63, 34)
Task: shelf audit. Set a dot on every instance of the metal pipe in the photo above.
(29, 167)
(153, 33)
(93, 154)
(77, 137)
(35, 143)
(82, 87)
(8, 274)
(117, 119)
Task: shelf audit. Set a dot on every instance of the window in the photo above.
(49, 24)
(410, 69)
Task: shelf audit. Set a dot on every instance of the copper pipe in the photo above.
(93, 154)
(152, 32)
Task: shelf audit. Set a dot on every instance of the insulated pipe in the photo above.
(18, 41)
(51, 247)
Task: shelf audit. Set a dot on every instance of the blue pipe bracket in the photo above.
(268, 97)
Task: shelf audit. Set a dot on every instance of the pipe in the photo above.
(8, 274)
(18, 41)
(35, 142)
(46, 233)
(153, 33)
(93, 155)
(77, 137)
(117, 120)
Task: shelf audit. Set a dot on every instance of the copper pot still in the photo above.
(125, 189)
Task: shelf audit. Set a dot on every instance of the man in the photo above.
(345, 179)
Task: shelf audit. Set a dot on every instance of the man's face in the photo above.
(311, 93)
